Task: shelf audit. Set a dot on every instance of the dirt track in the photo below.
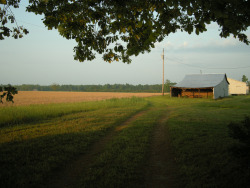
(69, 175)
(160, 170)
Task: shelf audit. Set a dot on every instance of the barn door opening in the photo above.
(176, 92)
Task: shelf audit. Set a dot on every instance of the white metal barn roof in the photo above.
(201, 80)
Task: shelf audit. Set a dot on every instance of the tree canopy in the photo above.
(8, 92)
(152, 88)
(244, 78)
(120, 29)
(6, 15)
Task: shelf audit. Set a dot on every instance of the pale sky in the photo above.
(44, 57)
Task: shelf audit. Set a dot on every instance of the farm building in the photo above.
(201, 86)
(237, 87)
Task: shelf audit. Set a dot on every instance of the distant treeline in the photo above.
(156, 88)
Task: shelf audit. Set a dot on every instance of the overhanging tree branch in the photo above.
(6, 15)
(137, 24)
(121, 29)
(8, 92)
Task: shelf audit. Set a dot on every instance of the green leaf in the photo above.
(197, 31)
(143, 21)
(139, 24)
(130, 28)
(189, 11)
(3, 2)
(123, 30)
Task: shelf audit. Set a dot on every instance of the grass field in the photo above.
(108, 143)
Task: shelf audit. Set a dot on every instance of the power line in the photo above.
(30, 24)
(20, 4)
(200, 67)
(230, 68)
(177, 61)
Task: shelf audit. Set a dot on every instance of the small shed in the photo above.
(237, 87)
(201, 86)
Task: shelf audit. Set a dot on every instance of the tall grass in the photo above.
(29, 153)
(198, 129)
(122, 163)
(26, 114)
(199, 134)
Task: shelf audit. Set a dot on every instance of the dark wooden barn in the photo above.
(201, 86)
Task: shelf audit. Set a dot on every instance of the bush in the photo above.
(241, 131)
(8, 92)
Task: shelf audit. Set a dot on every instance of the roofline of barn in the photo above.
(192, 87)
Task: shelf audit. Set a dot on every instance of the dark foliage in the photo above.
(8, 92)
(155, 88)
(7, 18)
(241, 131)
(241, 151)
(121, 29)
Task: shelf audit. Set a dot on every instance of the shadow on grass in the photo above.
(28, 163)
(241, 151)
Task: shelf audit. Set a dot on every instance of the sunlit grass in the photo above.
(30, 152)
(202, 144)
(25, 114)
(40, 138)
(122, 163)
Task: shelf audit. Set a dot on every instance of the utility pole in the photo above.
(163, 73)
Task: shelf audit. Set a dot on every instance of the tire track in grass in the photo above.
(161, 170)
(69, 176)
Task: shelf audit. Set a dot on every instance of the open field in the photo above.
(131, 142)
(47, 97)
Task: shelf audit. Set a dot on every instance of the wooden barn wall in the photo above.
(195, 93)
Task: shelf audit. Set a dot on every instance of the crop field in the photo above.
(47, 97)
(128, 142)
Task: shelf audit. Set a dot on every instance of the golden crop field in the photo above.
(46, 97)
